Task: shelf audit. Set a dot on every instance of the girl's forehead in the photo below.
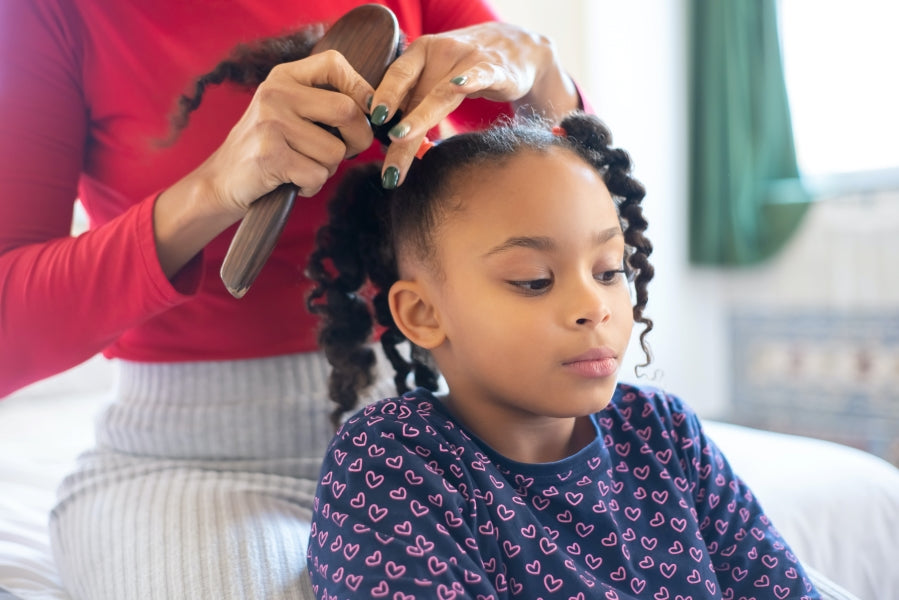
(506, 184)
(556, 194)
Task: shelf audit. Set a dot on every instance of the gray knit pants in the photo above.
(201, 482)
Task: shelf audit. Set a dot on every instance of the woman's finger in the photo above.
(336, 111)
(408, 135)
(311, 141)
(401, 77)
(323, 89)
(327, 69)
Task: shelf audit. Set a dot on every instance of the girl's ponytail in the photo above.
(353, 249)
(354, 234)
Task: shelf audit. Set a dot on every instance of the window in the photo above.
(841, 64)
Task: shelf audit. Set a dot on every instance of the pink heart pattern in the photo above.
(411, 506)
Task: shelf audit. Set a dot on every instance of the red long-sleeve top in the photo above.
(86, 89)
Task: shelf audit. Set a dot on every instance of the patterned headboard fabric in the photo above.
(828, 374)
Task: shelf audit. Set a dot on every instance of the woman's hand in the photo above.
(498, 61)
(277, 140)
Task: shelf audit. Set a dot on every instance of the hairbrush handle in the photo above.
(368, 37)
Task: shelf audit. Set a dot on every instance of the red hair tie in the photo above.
(426, 144)
(559, 131)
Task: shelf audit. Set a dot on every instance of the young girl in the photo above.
(506, 257)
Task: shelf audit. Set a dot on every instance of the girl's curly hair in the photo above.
(354, 263)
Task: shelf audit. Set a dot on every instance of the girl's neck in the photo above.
(527, 440)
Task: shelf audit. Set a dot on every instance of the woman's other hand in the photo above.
(497, 61)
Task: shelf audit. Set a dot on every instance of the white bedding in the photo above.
(38, 444)
(838, 507)
(42, 430)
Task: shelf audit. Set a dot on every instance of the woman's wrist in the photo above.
(185, 220)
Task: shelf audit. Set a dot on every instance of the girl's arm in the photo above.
(386, 523)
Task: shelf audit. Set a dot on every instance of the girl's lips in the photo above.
(593, 369)
(595, 363)
(592, 354)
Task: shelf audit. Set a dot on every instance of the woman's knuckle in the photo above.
(312, 180)
(333, 58)
(445, 93)
(338, 64)
(422, 41)
(277, 71)
(344, 110)
(308, 190)
(268, 93)
(268, 127)
(402, 69)
(263, 164)
(332, 156)
(452, 50)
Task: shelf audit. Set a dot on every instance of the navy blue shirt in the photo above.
(410, 505)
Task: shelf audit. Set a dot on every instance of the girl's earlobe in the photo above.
(415, 315)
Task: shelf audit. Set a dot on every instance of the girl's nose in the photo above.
(591, 307)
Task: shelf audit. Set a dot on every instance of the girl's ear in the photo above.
(415, 314)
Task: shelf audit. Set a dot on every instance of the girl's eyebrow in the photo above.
(548, 244)
(541, 243)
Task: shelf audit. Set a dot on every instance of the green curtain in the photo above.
(745, 196)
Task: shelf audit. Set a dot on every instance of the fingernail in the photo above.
(391, 178)
(460, 80)
(400, 130)
(368, 102)
(379, 114)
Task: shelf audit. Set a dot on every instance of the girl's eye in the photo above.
(532, 286)
(609, 277)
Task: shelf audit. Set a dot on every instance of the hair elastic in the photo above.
(426, 144)
(559, 131)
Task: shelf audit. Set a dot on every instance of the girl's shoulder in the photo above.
(419, 405)
(401, 441)
(416, 418)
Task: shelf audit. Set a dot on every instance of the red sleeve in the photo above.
(55, 304)
(440, 15)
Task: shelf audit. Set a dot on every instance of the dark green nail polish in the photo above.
(460, 80)
(379, 115)
(400, 130)
(391, 178)
(368, 102)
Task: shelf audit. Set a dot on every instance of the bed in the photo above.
(838, 507)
